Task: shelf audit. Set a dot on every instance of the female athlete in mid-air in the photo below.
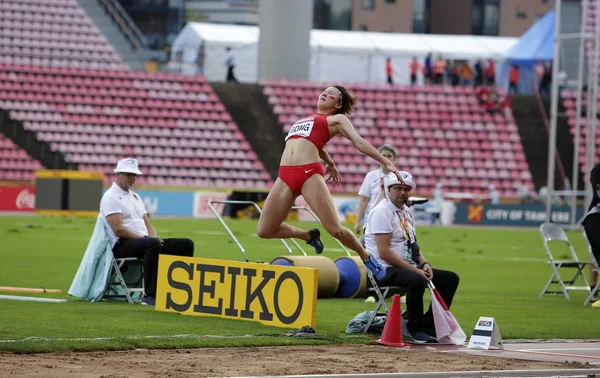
(301, 173)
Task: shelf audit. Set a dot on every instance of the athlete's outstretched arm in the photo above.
(346, 129)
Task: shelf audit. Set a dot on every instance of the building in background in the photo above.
(161, 20)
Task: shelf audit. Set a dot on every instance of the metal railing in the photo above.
(126, 24)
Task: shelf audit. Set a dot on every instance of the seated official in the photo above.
(131, 234)
(391, 238)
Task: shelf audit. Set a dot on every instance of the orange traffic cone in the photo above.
(392, 331)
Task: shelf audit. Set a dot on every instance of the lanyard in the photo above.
(404, 225)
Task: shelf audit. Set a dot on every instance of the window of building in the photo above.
(421, 16)
(390, 1)
(544, 1)
(363, 27)
(332, 14)
(484, 17)
(521, 15)
(367, 4)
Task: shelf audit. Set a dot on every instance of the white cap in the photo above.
(406, 177)
(128, 165)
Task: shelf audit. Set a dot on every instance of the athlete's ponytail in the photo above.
(347, 100)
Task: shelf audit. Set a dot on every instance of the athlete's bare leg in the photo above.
(277, 207)
(317, 195)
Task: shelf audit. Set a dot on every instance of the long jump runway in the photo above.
(554, 351)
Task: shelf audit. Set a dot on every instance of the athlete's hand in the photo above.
(333, 175)
(390, 167)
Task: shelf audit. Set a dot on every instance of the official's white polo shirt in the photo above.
(373, 189)
(385, 219)
(129, 205)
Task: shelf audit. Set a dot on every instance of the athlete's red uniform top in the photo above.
(315, 129)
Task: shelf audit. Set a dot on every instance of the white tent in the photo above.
(344, 56)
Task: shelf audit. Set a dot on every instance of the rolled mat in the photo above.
(353, 277)
(329, 278)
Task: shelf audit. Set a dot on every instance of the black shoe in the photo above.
(315, 240)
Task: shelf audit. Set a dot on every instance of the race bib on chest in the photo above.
(301, 128)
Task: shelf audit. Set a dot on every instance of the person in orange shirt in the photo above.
(513, 79)
(389, 71)
(466, 73)
(414, 68)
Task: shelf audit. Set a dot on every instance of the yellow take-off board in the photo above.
(270, 294)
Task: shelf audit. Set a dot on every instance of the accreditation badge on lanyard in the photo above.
(410, 252)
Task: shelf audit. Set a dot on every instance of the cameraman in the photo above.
(391, 238)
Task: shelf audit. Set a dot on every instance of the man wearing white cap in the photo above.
(391, 238)
(131, 234)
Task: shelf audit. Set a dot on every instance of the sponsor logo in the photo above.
(25, 200)
(475, 213)
(484, 323)
(269, 294)
(308, 171)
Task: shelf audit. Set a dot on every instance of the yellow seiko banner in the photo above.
(269, 294)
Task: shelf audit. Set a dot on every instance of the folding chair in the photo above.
(381, 292)
(126, 280)
(552, 232)
(595, 266)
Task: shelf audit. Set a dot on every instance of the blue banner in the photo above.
(161, 203)
(511, 215)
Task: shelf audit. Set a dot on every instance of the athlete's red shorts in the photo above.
(296, 175)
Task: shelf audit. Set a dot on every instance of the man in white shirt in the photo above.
(131, 234)
(391, 238)
(230, 64)
(372, 189)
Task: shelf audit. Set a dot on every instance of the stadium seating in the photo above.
(53, 33)
(15, 163)
(569, 100)
(440, 133)
(175, 125)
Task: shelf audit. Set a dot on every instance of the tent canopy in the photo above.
(360, 54)
(536, 44)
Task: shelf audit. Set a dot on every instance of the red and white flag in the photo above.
(447, 329)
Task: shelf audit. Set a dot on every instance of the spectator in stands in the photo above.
(391, 237)
(478, 74)
(455, 75)
(490, 73)
(230, 64)
(389, 71)
(372, 190)
(546, 80)
(414, 69)
(513, 79)
(428, 73)
(591, 225)
(301, 173)
(494, 195)
(131, 233)
(439, 68)
(466, 73)
(539, 73)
